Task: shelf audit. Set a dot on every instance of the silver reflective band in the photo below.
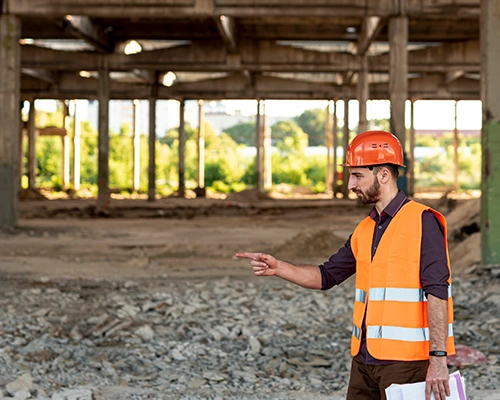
(397, 294)
(356, 332)
(360, 296)
(400, 333)
(449, 290)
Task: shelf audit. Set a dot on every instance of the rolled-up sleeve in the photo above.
(434, 272)
(339, 267)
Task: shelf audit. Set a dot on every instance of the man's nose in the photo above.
(351, 184)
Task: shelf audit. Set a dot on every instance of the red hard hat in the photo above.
(374, 148)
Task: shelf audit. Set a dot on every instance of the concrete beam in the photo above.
(83, 27)
(456, 56)
(369, 31)
(431, 86)
(261, 56)
(10, 30)
(240, 8)
(41, 74)
(226, 28)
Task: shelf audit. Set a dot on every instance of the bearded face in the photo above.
(370, 195)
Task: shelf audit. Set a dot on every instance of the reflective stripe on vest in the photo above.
(360, 296)
(397, 294)
(356, 332)
(400, 333)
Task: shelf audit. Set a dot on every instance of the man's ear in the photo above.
(385, 175)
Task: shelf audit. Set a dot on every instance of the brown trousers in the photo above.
(368, 382)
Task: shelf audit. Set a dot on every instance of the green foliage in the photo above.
(382, 124)
(226, 169)
(313, 123)
(243, 133)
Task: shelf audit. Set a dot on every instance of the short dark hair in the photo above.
(393, 169)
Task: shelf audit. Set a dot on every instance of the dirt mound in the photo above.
(310, 244)
(31, 194)
(463, 221)
(466, 253)
(248, 196)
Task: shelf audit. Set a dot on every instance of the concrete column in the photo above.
(201, 146)
(398, 81)
(345, 144)
(10, 72)
(363, 93)
(66, 148)
(20, 166)
(267, 172)
(103, 139)
(152, 146)
(335, 140)
(410, 162)
(456, 184)
(77, 130)
(258, 147)
(32, 146)
(328, 144)
(490, 95)
(136, 146)
(182, 150)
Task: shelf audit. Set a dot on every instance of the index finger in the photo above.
(253, 256)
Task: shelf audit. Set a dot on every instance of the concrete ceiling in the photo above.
(244, 48)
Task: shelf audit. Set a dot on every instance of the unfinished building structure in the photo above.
(249, 49)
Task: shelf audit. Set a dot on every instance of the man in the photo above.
(403, 312)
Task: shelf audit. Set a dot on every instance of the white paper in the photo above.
(416, 391)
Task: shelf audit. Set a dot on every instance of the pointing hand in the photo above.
(262, 264)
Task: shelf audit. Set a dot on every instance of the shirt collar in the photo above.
(393, 207)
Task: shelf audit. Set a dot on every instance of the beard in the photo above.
(372, 195)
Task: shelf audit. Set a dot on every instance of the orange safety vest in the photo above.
(389, 290)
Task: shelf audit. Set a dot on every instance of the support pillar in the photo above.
(182, 150)
(77, 130)
(267, 173)
(31, 146)
(136, 146)
(456, 184)
(398, 82)
(66, 148)
(201, 146)
(410, 163)
(363, 93)
(345, 144)
(490, 136)
(152, 145)
(335, 140)
(10, 72)
(258, 147)
(328, 143)
(103, 139)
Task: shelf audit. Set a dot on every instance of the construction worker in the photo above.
(403, 312)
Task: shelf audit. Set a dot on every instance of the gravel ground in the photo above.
(212, 339)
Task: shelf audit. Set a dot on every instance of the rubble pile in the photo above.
(221, 339)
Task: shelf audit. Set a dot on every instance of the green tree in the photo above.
(313, 123)
(242, 133)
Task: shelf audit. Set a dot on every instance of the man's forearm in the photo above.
(437, 310)
(305, 276)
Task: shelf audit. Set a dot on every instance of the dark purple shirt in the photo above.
(434, 271)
